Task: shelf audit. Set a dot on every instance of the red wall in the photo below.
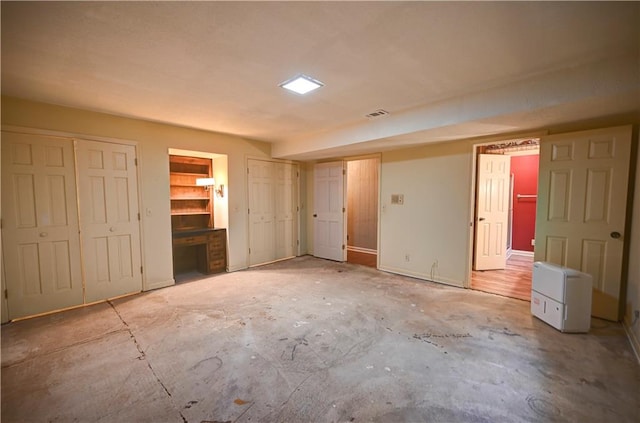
(525, 181)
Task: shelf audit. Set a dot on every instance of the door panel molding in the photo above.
(583, 188)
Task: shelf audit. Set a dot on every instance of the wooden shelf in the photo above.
(188, 213)
(191, 205)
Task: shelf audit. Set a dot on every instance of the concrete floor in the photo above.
(312, 340)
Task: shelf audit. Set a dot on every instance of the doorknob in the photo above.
(315, 215)
(480, 219)
(43, 234)
(112, 229)
(615, 235)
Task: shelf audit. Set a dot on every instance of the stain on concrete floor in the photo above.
(313, 340)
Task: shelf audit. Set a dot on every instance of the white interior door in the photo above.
(582, 201)
(41, 246)
(328, 217)
(262, 212)
(285, 205)
(110, 232)
(492, 211)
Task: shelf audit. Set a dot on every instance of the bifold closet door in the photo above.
(272, 211)
(285, 204)
(109, 219)
(41, 246)
(261, 212)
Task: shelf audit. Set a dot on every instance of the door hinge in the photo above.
(344, 210)
(297, 208)
(138, 216)
(6, 294)
(344, 171)
(249, 250)
(140, 269)
(248, 211)
(247, 171)
(343, 246)
(135, 161)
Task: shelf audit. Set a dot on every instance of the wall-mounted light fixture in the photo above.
(219, 191)
(207, 183)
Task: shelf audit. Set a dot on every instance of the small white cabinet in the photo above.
(561, 297)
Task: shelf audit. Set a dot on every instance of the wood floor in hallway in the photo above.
(513, 282)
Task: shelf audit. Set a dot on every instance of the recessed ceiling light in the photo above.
(301, 84)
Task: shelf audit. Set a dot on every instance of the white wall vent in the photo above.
(378, 113)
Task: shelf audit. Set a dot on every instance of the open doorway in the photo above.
(511, 244)
(362, 211)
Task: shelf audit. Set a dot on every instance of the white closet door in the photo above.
(110, 231)
(261, 212)
(272, 211)
(285, 203)
(41, 247)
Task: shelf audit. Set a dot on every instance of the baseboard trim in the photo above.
(361, 250)
(271, 262)
(633, 340)
(429, 278)
(160, 284)
(522, 253)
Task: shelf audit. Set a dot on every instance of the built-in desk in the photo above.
(205, 249)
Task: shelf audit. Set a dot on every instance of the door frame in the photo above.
(475, 148)
(310, 193)
(80, 136)
(297, 225)
(377, 156)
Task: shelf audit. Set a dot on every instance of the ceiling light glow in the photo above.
(301, 84)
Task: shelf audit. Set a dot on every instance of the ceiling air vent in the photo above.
(378, 113)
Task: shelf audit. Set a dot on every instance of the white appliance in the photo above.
(561, 297)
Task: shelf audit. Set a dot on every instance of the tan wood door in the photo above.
(41, 245)
(262, 212)
(492, 211)
(582, 200)
(109, 219)
(329, 212)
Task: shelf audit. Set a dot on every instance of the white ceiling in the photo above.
(443, 70)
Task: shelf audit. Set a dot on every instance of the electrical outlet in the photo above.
(407, 257)
(533, 242)
(397, 199)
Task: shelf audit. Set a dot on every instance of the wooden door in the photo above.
(328, 217)
(261, 212)
(582, 200)
(109, 217)
(492, 211)
(285, 208)
(41, 246)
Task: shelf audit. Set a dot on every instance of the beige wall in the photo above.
(633, 284)
(153, 141)
(427, 236)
